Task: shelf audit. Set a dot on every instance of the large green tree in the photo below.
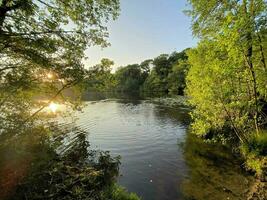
(100, 77)
(167, 74)
(228, 78)
(180, 66)
(130, 78)
(42, 47)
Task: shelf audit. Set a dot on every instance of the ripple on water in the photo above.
(146, 136)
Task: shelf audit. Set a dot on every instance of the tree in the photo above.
(130, 78)
(153, 83)
(176, 79)
(228, 78)
(100, 76)
(157, 80)
(42, 47)
(168, 74)
(145, 68)
(180, 66)
(162, 66)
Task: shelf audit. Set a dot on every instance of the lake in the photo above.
(160, 159)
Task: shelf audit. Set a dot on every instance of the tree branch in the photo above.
(5, 68)
(46, 4)
(39, 33)
(4, 9)
(53, 98)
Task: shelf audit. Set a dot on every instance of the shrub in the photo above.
(120, 193)
(255, 152)
(257, 144)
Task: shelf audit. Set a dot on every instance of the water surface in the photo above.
(159, 159)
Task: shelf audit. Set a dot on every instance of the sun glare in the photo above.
(53, 107)
(49, 75)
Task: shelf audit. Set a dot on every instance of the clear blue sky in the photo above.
(145, 29)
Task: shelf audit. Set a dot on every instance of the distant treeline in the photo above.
(164, 74)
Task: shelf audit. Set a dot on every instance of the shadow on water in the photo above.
(178, 115)
(36, 166)
(213, 172)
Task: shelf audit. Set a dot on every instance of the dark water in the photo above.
(160, 160)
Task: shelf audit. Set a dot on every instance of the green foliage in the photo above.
(158, 80)
(42, 45)
(168, 74)
(161, 75)
(100, 77)
(256, 144)
(176, 79)
(130, 78)
(255, 152)
(119, 193)
(256, 164)
(162, 66)
(227, 78)
(153, 83)
(50, 167)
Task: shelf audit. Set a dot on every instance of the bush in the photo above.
(42, 168)
(120, 193)
(255, 152)
(257, 144)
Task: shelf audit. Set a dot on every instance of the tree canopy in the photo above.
(162, 75)
(168, 74)
(130, 78)
(100, 77)
(228, 76)
(42, 49)
(42, 45)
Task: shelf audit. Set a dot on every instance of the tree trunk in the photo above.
(248, 56)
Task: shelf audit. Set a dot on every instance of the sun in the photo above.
(53, 107)
(50, 75)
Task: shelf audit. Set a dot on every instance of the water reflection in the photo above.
(146, 136)
(27, 161)
(177, 115)
(154, 166)
(214, 173)
(45, 107)
(36, 166)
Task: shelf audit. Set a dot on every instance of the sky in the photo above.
(144, 30)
